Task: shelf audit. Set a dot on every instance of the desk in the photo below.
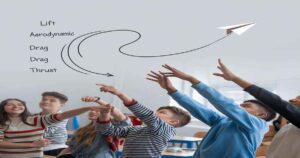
(184, 154)
(165, 154)
(187, 140)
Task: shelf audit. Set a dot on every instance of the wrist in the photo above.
(103, 121)
(171, 89)
(96, 99)
(104, 117)
(235, 79)
(193, 80)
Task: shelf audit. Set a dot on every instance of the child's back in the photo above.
(143, 141)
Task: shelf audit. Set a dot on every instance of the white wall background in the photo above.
(268, 54)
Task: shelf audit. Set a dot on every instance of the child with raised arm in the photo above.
(235, 135)
(287, 141)
(89, 143)
(148, 140)
(21, 134)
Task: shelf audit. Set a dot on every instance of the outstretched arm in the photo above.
(142, 112)
(198, 110)
(222, 103)
(287, 110)
(115, 112)
(74, 112)
(50, 119)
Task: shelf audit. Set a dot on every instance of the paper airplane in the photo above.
(238, 29)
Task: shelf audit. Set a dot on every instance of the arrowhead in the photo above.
(238, 29)
(109, 75)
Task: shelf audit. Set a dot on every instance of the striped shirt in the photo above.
(57, 134)
(141, 141)
(22, 133)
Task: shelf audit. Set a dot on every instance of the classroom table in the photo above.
(184, 154)
(165, 154)
(189, 141)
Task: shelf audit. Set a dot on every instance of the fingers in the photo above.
(156, 74)
(44, 142)
(168, 67)
(101, 84)
(221, 65)
(292, 100)
(88, 99)
(47, 141)
(103, 87)
(151, 79)
(218, 74)
(166, 73)
(219, 61)
(153, 76)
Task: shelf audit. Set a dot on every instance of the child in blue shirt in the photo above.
(287, 141)
(235, 135)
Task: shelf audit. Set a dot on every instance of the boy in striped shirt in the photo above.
(143, 141)
(51, 103)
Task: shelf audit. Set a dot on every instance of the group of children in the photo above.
(236, 134)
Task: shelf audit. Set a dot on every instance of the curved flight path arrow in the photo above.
(238, 29)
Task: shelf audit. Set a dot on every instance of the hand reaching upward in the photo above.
(226, 73)
(108, 88)
(162, 80)
(111, 89)
(229, 76)
(179, 74)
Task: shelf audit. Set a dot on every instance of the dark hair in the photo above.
(184, 116)
(271, 114)
(63, 98)
(4, 116)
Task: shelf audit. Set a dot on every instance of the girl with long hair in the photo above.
(21, 134)
(86, 142)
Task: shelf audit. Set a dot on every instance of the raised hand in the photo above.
(175, 73)
(162, 80)
(111, 89)
(89, 99)
(41, 143)
(295, 101)
(226, 73)
(108, 88)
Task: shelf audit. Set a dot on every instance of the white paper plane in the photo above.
(238, 29)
